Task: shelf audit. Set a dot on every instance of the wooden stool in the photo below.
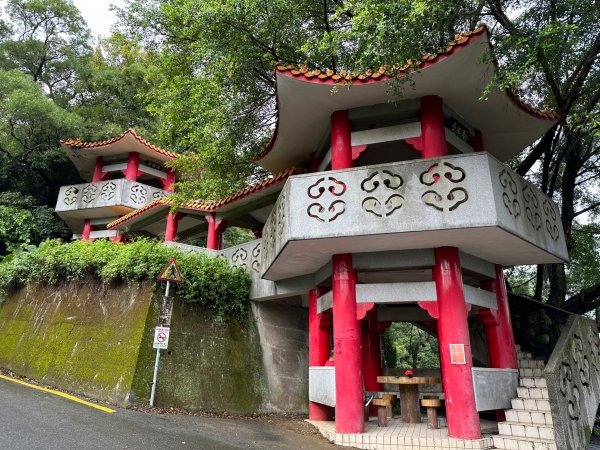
(382, 407)
(431, 404)
(391, 398)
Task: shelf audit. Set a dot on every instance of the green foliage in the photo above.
(49, 42)
(412, 347)
(211, 282)
(23, 221)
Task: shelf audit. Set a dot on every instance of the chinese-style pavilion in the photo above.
(406, 212)
(123, 173)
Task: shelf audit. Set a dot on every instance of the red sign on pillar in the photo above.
(457, 354)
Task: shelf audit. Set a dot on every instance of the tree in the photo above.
(49, 40)
(23, 221)
(111, 89)
(31, 125)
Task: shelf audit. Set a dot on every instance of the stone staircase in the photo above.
(528, 424)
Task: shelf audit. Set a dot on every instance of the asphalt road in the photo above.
(32, 419)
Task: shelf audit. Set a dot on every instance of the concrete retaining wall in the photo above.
(96, 340)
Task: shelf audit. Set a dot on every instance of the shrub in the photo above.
(211, 282)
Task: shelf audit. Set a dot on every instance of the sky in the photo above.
(97, 14)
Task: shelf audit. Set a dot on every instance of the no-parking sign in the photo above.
(161, 337)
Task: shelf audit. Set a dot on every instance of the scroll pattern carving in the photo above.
(574, 384)
(89, 193)
(108, 191)
(551, 226)
(138, 193)
(158, 194)
(384, 198)
(273, 229)
(446, 193)
(256, 258)
(326, 189)
(509, 196)
(238, 259)
(71, 195)
(532, 207)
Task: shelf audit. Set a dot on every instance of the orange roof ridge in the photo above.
(79, 144)
(459, 40)
(210, 205)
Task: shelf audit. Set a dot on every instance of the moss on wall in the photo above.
(207, 366)
(96, 340)
(83, 337)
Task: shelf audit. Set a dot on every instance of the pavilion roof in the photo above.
(83, 154)
(208, 205)
(456, 73)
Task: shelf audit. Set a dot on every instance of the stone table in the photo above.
(409, 394)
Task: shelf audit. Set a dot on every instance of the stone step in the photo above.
(517, 429)
(530, 404)
(518, 347)
(531, 372)
(532, 392)
(539, 382)
(524, 355)
(531, 363)
(529, 417)
(515, 443)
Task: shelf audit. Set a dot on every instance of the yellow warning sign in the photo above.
(171, 273)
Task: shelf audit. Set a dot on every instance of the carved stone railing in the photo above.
(573, 379)
(473, 202)
(245, 255)
(108, 193)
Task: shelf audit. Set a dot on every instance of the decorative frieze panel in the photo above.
(530, 211)
(106, 194)
(510, 193)
(445, 191)
(274, 228)
(382, 197)
(470, 201)
(573, 379)
(330, 206)
(246, 256)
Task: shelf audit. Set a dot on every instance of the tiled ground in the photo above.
(406, 436)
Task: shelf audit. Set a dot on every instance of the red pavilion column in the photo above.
(349, 412)
(133, 165)
(501, 341)
(319, 338)
(99, 175)
(87, 229)
(433, 132)
(172, 220)
(453, 338)
(371, 353)
(168, 181)
(216, 227)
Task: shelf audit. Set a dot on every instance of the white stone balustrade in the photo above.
(106, 194)
(472, 202)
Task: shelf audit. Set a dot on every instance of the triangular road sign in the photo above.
(171, 273)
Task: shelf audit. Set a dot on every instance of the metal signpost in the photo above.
(170, 273)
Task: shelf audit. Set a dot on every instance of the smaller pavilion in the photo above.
(192, 221)
(123, 174)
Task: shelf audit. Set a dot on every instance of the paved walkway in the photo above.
(407, 436)
(33, 419)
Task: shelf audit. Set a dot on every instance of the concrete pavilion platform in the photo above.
(406, 436)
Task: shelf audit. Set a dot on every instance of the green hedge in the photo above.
(211, 282)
